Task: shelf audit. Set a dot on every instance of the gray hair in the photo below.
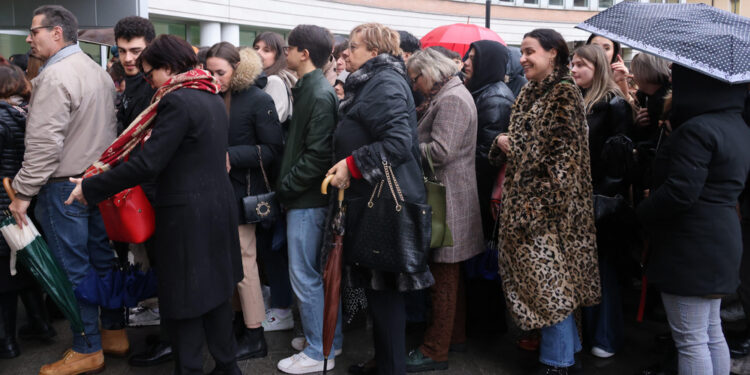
(651, 69)
(432, 64)
(55, 15)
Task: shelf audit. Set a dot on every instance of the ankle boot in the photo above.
(8, 344)
(251, 344)
(38, 326)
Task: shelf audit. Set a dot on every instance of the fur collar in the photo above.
(358, 79)
(247, 71)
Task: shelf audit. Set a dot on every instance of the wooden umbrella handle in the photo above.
(8, 188)
(324, 187)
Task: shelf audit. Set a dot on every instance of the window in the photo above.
(736, 6)
(605, 3)
(556, 3)
(581, 3)
(665, 1)
(531, 2)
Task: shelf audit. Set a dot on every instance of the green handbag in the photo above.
(441, 234)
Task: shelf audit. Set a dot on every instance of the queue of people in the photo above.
(561, 161)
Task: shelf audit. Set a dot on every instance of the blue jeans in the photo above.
(304, 240)
(604, 323)
(559, 344)
(76, 237)
(696, 329)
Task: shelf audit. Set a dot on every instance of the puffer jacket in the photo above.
(12, 129)
(252, 121)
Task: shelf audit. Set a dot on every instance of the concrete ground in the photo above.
(488, 355)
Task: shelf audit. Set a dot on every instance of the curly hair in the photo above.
(135, 27)
(378, 37)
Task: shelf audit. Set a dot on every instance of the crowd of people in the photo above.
(556, 166)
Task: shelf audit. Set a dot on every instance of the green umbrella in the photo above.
(28, 246)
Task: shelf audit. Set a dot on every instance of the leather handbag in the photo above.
(441, 234)
(261, 208)
(386, 233)
(128, 216)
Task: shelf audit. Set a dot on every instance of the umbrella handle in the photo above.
(324, 187)
(9, 189)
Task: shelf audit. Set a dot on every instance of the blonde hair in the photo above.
(602, 84)
(433, 65)
(378, 37)
(651, 69)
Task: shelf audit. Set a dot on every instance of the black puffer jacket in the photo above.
(12, 130)
(609, 117)
(699, 173)
(252, 122)
(378, 120)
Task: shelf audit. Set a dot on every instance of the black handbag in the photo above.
(261, 208)
(386, 233)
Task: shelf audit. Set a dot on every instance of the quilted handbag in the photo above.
(128, 216)
(385, 233)
(261, 208)
(441, 234)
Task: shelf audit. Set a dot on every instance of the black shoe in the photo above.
(252, 344)
(365, 368)
(9, 348)
(38, 327)
(551, 370)
(739, 348)
(8, 345)
(226, 370)
(155, 354)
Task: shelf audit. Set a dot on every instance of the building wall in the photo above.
(729, 5)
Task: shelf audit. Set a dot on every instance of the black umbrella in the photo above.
(703, 38)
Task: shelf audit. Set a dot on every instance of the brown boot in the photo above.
(115, 342)
(74, 363)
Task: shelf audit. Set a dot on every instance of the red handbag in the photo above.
(128, 216)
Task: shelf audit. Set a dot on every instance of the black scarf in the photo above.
(358, 79)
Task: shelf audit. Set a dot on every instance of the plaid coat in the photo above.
(449, 129)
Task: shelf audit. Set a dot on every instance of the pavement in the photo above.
(491, 354)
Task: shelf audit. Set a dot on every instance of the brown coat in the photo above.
(449, 129)
(548, 259)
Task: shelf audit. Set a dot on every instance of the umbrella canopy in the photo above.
(98, 36)
(332, 275)
(458, 37)
(700, 37)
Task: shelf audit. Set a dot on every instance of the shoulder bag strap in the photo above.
(262, 169)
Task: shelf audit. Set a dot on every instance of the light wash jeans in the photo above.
(76, 237)
(304, 233)
(696, 329)
(560, 343)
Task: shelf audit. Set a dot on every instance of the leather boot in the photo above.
(156, 353)
(74, 363)
(38, 326)
(8, 344)
(115, 342)
(252, 344)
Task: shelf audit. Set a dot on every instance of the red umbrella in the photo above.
(332, 275)
(459, 36)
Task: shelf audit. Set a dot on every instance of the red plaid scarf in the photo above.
(140, 127)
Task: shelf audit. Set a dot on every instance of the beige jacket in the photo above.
(71, 122)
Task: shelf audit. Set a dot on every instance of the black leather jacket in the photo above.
(494, 102)
(12, 130)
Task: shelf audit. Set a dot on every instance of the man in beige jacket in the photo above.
(71, 122)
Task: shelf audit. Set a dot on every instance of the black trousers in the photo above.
(744, 290)
(388, 313)
(213, 328)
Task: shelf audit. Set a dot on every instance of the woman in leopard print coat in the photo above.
(548, 258)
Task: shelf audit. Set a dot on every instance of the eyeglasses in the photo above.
(147, 75)
(414, 80)
(32, 31)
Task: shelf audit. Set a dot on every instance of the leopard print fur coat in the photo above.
(548, 257)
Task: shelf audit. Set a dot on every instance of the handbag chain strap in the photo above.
(265, 178)
(390, 176)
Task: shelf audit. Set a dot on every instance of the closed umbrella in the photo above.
(332, 274)
(31, 250)
(458, 37)
(700, 37)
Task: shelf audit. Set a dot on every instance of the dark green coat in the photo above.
(308, 151)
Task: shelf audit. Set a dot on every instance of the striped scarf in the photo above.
(140, 128)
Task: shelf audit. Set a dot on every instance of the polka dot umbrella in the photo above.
(458, 37)
(703, 38)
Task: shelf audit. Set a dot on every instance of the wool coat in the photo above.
(448, 130)
(699, 173)
(252, 122)
(197, 257)
(548, 259)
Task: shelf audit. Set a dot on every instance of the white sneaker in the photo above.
(143, 316)
(302, 364)
(300, 343)
(601, 353)
(278, 322)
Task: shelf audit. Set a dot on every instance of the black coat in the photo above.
(378, 120)
(198, 255)
(699, 173)
(12, 130)
(135, 99)
(252, 121)
(607, 118)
